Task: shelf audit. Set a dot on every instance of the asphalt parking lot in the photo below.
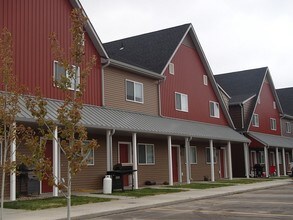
(273, 203)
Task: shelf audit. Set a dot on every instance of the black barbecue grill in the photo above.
(118, 173)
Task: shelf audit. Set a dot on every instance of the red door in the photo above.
(175, 163)
(48, 154)
(124, 158)
(222, 158)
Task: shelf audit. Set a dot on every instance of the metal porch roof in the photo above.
(272, 140)
(105, 118)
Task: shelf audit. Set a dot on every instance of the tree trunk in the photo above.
(69, 190)
(3, 177)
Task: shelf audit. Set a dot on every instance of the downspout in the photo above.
(111, 148)
(103, 80)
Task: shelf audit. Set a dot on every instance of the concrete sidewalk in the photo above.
(130, 204)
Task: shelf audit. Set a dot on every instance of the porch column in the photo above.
(187, 152)
(284, 162)
(108, 134)
(12, 173)
(246, 160)
(266, 161)
(55, 162)
(229, 161)
(212, 161)
(134, 161)
(170, 161)
(277, 162)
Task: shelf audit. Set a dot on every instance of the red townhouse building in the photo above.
(187, 98)
(256, 112)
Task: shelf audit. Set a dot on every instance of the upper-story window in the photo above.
(273, 123)
(255, 120)
(171, 68)
(214, 109)
(274, 105)
(181, 101)
(205, 80)
(288, 127)
(60, 73)
(134, 91)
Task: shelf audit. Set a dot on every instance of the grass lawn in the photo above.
(245, 181)
(145, 192)
(53, 202)
(206, 185)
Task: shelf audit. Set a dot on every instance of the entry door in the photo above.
(48, 154)
(124, 157)
(175, 163)
(222, 163)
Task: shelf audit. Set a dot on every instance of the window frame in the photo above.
(55, 62)
(195, 155)
(181, 95)
(171, 68)
(208, 155)
(212, 105)
(288, 127)
(93, 157)
(274, 105)
(261, 157)
(205, 80)
(134, 91)
(253, 123)
(146, 157)
(273, 124)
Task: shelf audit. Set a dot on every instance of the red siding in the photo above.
(188, 79)
(31, 22)
(266, 111)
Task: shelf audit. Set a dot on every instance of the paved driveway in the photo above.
(274, 203)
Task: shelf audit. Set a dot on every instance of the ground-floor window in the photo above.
(193, 155)
(146, 154)
(261, 157)
(90, 158)
(208, 155)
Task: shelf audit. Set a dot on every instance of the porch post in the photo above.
(212, 161)
(170, 161)
(187, 152)
(12, 173)
(277, 162)
(134, 161)
(284, 162)
(246, 160)
(55, 162)
(229, 160)
(108, 134)
(266, 161)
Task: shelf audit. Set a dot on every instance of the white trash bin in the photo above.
(107, 185)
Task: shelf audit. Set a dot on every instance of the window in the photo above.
(288, 127)
(171, 68)
(258, 100)
(134, 91)
(214, 110)
(205, 80)
(255, 120)
(89, 158)
(146, 154)
(274, 105)
(181, 101)
(261, 157)
(208, 155)
(273, 124)
(193, 155)
(280, 158)
(60, 73)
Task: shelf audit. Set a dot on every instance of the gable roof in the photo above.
(91, 31)
(286, 99)
(242, 85)
(150, 51)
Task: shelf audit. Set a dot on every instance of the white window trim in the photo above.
(258, 100)
(288, 127)
(273, 124)
(218, 110)
(195, 154)
(256, 121)
(261, 155)
(274, 105)
(146, 163)
(93, 163)
(205, 80)
(181, 94)
(66, 73)
(215, 155)
(171, 68)
(142, 91)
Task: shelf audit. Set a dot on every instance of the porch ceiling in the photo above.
(272, 140)
(94, 117)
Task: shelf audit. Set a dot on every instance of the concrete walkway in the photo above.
(130, 204)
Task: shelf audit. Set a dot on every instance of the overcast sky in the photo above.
(235, 34)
